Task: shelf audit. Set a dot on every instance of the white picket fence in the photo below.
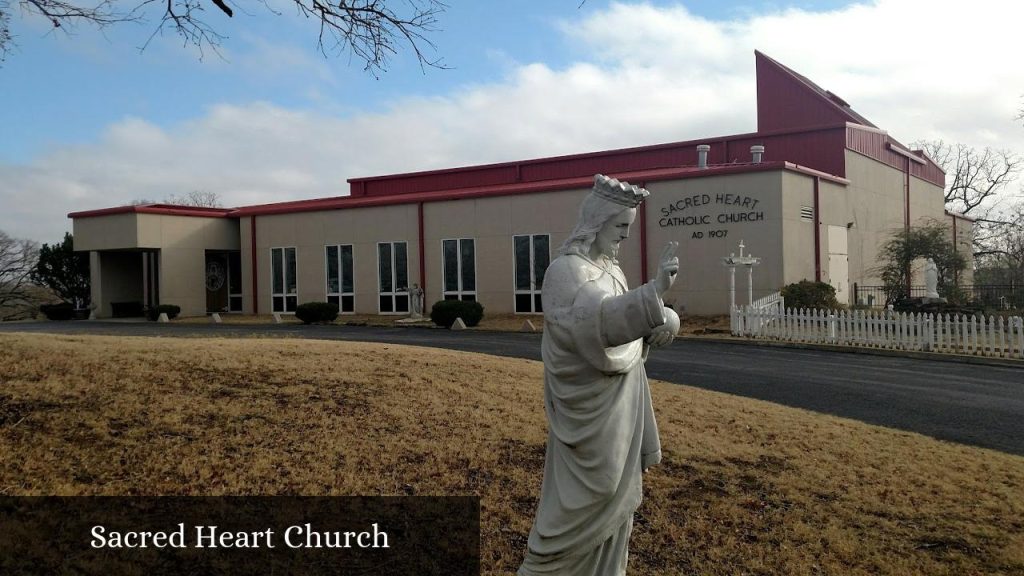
(772, 303)
(995, 336)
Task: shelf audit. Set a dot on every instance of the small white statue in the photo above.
(602, 432)
(416, 297)
(931, 279)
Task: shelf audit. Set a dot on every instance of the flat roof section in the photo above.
(164, 209)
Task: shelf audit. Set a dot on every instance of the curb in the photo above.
(959, 358)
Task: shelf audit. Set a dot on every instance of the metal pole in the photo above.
(750, 285)
(732, 287)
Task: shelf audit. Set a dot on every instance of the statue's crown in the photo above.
(622, 193)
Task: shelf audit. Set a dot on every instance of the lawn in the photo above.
(746, 487)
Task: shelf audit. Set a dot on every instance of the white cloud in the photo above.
(919, 69)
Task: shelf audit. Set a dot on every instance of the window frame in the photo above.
(534, 291)
(341, 294)
(285, 295)
(237, 296)
(460, 293)
(395, 294)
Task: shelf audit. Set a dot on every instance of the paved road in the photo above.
(970, 404)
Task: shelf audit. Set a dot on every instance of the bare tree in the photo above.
(977, 182)
(978, 176)
(203, 198)
(199, 198)
(18, 296)
(371, 31)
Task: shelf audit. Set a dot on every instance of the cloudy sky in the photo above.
(88, 121)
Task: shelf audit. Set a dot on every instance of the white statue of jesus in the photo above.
(931, 279)
(602, 432)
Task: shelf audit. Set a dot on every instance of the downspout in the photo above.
(906, 216)
(817, 231)
(423, 267)
(956, 273)
(906, 197)
(255, 274)
(643, 238)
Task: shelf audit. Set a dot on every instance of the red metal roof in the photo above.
(819, 147)
(637, 177)
(787, 100)
(165, 209)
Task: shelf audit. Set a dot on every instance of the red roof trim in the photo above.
(162, 209)
(602, 153)
(647, 176)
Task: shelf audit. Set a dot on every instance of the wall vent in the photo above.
(807, 213)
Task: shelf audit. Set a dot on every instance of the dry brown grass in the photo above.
(746, 487)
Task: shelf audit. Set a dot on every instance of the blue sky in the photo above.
(89, 121)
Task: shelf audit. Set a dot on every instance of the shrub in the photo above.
(61, 311)
(313, 312)
(807, 294)
(171, 310)
(444, 312)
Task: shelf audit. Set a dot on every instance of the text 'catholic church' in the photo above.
(815, 192)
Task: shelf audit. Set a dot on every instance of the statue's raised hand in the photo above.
(667, 268)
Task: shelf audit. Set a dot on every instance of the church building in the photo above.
(813, 193)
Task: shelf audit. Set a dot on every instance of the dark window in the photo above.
(532, 256)
(393, 273)
(451, 265)
(283, 279)
(467, 249)
(234, 281)
(333, 279)
(459, 257)
(522, 263)
(339, 276)
(347, 284)
(276, 266)
(384, 260)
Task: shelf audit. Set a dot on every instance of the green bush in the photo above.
(314, 312)
(171, 310)
(807, 294)
(61, 311)
(444, 312)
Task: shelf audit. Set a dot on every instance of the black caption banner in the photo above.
(271, 535)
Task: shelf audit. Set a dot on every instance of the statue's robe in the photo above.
(602, 432)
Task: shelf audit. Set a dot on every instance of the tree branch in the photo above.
(373, 31)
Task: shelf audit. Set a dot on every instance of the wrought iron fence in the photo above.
(997, 296)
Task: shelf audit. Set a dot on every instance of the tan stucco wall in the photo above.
(703, 283)
(492, 222)
(245, 245)
(876, 204)
(797, 235)
(309, 232)
(181, 240)
(876, 201)
(114, 232)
